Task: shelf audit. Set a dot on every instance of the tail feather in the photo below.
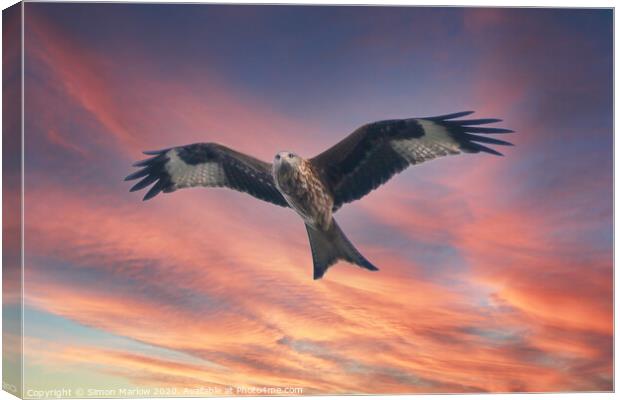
(330, 246)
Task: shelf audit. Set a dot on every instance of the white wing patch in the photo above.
(436, 142)
(185, 175)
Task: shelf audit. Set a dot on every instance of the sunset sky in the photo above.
(496, 272)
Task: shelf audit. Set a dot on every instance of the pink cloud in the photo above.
(226, 279)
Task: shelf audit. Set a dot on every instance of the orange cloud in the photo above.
(408, 333)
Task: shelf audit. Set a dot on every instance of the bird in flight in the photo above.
(317, 187)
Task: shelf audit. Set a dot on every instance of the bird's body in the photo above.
(316, 188)
(303, 189)
(305, 192)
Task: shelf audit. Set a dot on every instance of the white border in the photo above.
(476, 3)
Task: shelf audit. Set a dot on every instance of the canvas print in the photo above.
(384, 200)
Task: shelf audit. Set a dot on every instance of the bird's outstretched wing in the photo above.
(375, 152)
(208, 165)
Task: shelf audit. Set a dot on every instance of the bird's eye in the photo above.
(290, 156)
(277, 157)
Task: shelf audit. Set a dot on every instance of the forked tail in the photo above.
(331, 246)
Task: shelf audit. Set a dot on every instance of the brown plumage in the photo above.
(317, 187)
(303, 190)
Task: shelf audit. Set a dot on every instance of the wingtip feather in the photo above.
(490, 151)
(154, 191)
(485, 130)
(451, 116)
(481, 121)
(148, 161)
(155, 152)
(484, 139)
(137, 174)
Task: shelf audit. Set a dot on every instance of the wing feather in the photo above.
(205, 165)
(375, 152)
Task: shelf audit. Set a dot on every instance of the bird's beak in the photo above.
(284, 166)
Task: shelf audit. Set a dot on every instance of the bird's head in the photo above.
(286, 164)
(286, 159)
